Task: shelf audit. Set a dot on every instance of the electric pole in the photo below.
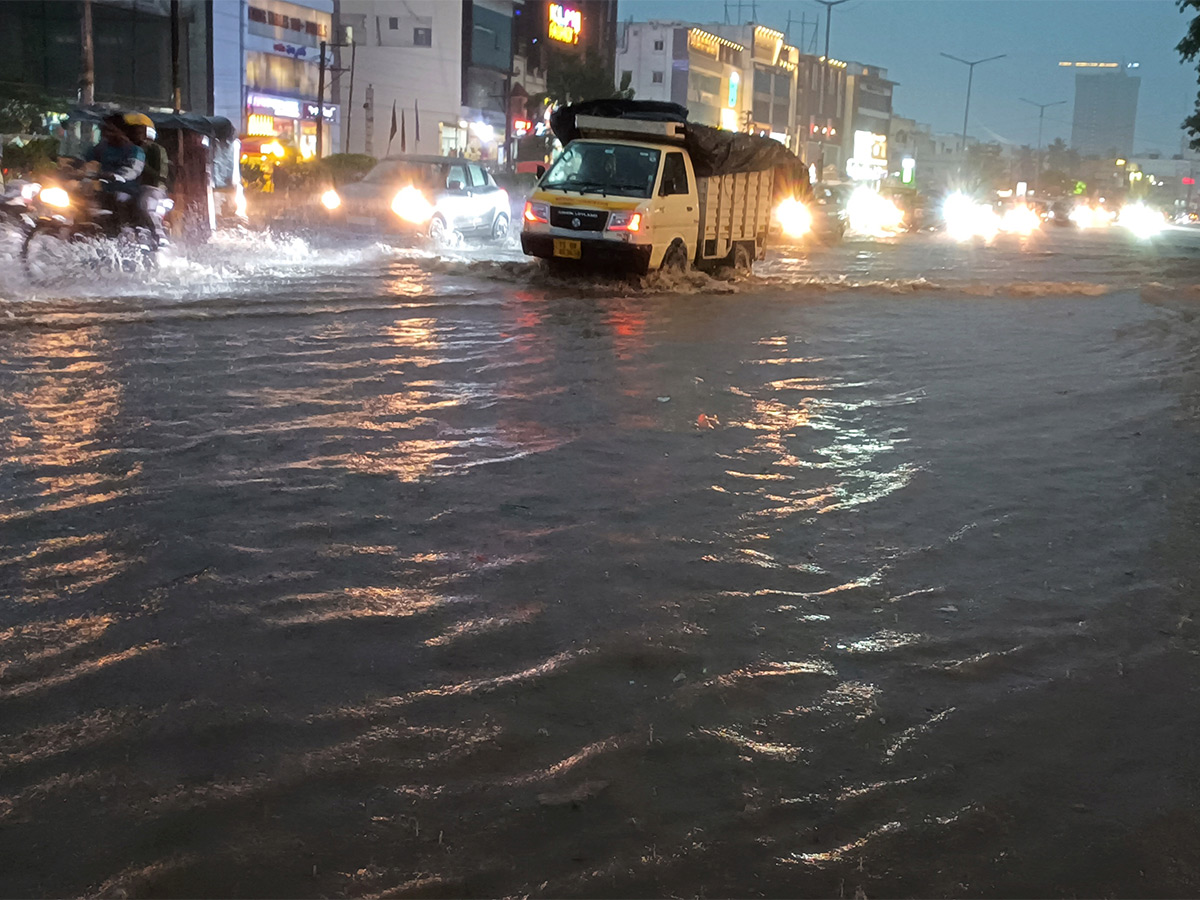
(829, 5)
(971, 75)
(1037, 182)
(87, 68)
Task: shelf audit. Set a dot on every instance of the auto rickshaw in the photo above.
(204, 152)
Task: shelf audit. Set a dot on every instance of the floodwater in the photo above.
(355, 571)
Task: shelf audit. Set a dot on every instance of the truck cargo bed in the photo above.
(734, 208)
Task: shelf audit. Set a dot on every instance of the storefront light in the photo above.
(259, 124)
(485, 132)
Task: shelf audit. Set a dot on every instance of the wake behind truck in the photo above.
(638, 188)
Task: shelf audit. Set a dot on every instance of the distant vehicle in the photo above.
(625, 194)
(828, 207)
(423, 195)
(1060, 212)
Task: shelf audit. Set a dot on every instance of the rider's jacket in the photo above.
(124, 164)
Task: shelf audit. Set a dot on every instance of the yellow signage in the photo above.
(1091, 65)
(565, 23)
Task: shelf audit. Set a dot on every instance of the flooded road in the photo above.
(376, 572)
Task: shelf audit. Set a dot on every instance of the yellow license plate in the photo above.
(568, 249)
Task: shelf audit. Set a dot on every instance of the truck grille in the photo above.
(578, 219)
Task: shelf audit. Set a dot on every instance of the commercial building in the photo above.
(686, 64)
(820, 108)
(267, 72)
(40, 51)
(768, 97)
(408, 57)
(1105, 107)
(867, 122)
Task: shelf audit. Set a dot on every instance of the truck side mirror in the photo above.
(541, 170)
(455, 185)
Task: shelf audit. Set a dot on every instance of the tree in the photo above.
(1189, 48)
(570, 79)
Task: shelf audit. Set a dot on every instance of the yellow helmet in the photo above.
(138, 119)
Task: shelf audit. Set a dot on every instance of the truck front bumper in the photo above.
(595, 253)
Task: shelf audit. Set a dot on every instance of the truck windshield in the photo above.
(592, 168)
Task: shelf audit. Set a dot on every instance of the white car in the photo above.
(430, 195)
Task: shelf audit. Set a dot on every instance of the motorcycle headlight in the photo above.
(55, 196)
(29, 191)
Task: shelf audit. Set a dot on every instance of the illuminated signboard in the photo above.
(734, 80)
(565, 24)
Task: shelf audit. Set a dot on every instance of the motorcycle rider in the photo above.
(121, 162)
(152, 184)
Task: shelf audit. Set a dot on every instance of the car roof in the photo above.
(430, 160)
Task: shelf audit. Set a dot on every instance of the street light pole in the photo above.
(970, 77)
(829, 5)
(1037, 182)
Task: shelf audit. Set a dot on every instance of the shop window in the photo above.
(658, 45)
(393, 24)
(422, 37)
(657, 77)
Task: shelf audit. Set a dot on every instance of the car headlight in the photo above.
(411, 206)
(55, 196)
(330, 200)
(625, 221)
(537, 212)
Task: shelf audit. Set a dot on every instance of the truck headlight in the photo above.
(625, 221)
(537, 212)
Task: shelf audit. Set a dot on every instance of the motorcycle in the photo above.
(78, 214)
(16, 203)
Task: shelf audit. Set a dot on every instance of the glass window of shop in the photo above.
(288, 22)
(40, 49)
(274, 74)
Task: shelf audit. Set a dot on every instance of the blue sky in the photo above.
(906, 36)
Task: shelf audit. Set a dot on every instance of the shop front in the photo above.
(289, 122)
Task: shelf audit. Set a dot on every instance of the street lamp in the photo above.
(971, 66)
(829, 5)
(1037, 182)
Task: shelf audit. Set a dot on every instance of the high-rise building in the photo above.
(1105, 108)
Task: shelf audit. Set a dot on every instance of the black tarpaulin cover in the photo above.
(713, 151)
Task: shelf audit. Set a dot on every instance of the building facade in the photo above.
(267, 72)
(867, 122)
(40, 51)
(689, 65)
(820, 106)
(768, 98)
(1105, 110)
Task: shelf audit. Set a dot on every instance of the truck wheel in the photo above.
(742, 260)
(675, 259)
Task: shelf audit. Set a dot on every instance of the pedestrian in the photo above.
(152, 184)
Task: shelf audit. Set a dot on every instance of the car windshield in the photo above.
(393, 171)
(604, 169)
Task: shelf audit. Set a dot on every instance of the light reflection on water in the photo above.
(426, 584)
